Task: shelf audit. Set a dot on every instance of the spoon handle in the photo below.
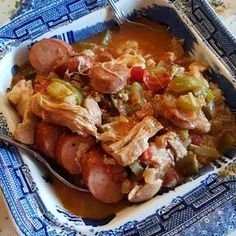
(41, 159)
(119, 15)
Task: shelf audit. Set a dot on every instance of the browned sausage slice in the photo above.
(45, 54)
(69, 150)
(46, 138)
(78, 63)
(109, 77)
(103, 180)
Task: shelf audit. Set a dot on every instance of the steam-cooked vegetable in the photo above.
(184, 134)
(209, 95)
(188, 102)
(206, 153)
(75, 91)
(157, 70)
(184, 84)
(136, 96)
(58, 90)
(136, 168)
(188, 165)
(225, 142)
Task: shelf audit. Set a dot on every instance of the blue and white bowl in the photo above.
(206, 205)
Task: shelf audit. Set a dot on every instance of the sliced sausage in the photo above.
(78, 63)
(46, 53)
(169, 109)
(109, 77)
(69, 150)
(103, 179)
(46, 138)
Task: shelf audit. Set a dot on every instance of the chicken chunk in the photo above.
(134, 143)
(160, 158)
(203, 125)
(132, 60)
(94, 110)
(172, 141)
(116, 129)
(24, 131)
(77, 118)
(144, 192)
(20, 96)
(178, 148)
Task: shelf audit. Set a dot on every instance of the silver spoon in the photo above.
(41, 159)
(121, 17)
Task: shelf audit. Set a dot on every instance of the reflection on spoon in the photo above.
(53, 168)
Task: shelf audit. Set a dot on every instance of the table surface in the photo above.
(227, 13)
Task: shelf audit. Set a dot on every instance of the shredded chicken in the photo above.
(196, 69)
(20, 96)
(132, 60)
(144, 192)
(94, 110)
(132, 145)
(164, 152)
(129, 47)
(203, 125)
(162, 141)
(178, 148)
(109, 133)
(77, 118)
(24, 131)
(172, 141)
(161, 158)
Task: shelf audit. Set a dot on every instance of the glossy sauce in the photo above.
(155, 43)
(150, 42)
(84, 204)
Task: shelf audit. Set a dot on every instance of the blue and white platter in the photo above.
(204, 205)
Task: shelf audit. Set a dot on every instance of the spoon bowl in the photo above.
(121, 17)
(53, 168)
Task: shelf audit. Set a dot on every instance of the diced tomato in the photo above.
(196, 139)
(154, 83)
(146, 155)
(41, 86)
(157, 83)
(171, 178)
(137, 74)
